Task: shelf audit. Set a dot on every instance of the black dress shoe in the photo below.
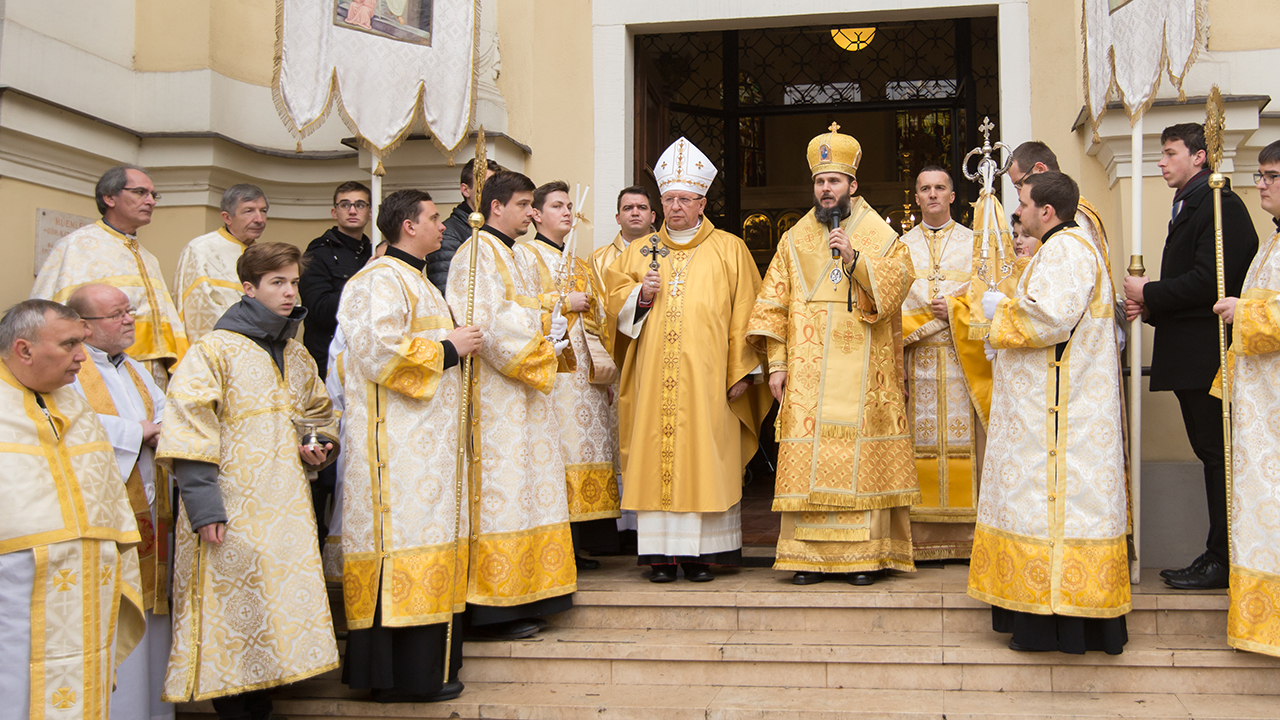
(448, 692)
(863, 578)
(808, 578)
(585, 563)
(697, 572)
(663, 574)
(1183, 572)
(1211, 575)
(514, 630)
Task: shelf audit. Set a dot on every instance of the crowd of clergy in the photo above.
(191, 474)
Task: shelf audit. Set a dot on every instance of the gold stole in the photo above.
(153, 552)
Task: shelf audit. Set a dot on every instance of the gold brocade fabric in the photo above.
(1052, 515)
(97, 254)
(153, 550)
(941, 405)
(844, 440)
(206, 282)
(1253, 619)
(251, 612)
(521, 548)
(399, 452)
(67, 505)
(683, 444)
(588, 436)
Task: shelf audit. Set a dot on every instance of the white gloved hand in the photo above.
(559, 326)
(987, 350)
(990, 299)
(560, 345)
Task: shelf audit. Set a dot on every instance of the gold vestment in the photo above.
(1052, 517)
(846, 473)
(521, 548)
(251, 612)
(206, 282)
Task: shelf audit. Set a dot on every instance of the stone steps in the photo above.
(752, 646)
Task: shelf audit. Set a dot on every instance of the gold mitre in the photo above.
(834, 152)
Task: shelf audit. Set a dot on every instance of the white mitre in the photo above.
(684, 167)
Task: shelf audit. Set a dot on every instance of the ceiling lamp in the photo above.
(853, 39)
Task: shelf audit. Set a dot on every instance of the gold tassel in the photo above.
(832, 534)
(298, 149)
(379, 170)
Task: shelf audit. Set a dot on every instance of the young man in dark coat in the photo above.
(1179, 305)
(331, 260)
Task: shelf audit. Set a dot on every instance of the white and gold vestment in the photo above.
(399, 451)
(588, 436)
(1052, 517)
(946, 418)
(523, 551)
(68, 558)
(98, 254)
(1253, 618)
(846, 476)
(206, 282)
(251, 612)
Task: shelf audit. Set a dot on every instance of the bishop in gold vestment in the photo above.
(1052, 516)
(250, 612)
(521, 550)
(71, 606)
(690, 410)
(946, 415)
(832, 330)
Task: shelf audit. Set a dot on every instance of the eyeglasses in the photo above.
(116, 316)
(684, 202)
(142, 192)
(1266, 178)
(347, 205)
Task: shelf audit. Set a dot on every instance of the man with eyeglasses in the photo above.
(1255, 528)
(108, 252)
(1034, 157)
(1184, 357)
(129, 405)
(331, 260)
(690, 406)
(206, 280)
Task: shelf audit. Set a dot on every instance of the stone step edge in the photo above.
(569, 702)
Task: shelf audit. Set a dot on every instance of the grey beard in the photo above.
(824, 215)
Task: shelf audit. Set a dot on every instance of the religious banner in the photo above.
(386, 64)
(1130, 43)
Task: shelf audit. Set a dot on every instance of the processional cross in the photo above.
(653, 252)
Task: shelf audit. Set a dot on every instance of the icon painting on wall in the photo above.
(406, 20)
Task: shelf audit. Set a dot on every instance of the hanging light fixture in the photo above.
(853, 39)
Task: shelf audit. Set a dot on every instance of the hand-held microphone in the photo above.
(835, 223)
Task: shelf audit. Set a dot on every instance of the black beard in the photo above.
(825, 215)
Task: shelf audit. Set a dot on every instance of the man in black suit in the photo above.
(1179, 305)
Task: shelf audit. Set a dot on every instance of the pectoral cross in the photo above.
(935, 278)
(675, 284)
(653, 251)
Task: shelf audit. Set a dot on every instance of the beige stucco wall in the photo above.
(1241, 25)
(235, 38)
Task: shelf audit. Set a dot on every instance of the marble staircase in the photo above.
(750, 646)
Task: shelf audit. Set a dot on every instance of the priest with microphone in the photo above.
(828, 316)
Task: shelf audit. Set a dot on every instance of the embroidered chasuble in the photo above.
(68, 553)
(946, 416)
(588, 436)
(206, 282)
(251, 612)
(1253, 621)
(1052, 516)
(399, 451)
(98, 254)
(683, 445)
(521, 549)
(846, 475)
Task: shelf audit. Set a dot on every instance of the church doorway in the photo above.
(913, 93)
